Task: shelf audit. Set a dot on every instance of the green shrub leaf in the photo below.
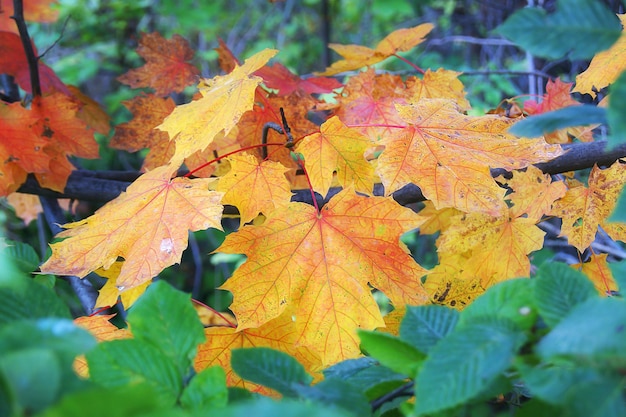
(271, 368)
(121, 362)
(391, 351)
(512, 299)
(465, 362)
(166, 318)
(540, 124)
(206, 390)
(339, 393)
(424, 326)
(616, 112)
(558, 289)
(578, 27)
(22, 255)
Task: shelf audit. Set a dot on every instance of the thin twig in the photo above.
(472, 40)
(405, 390)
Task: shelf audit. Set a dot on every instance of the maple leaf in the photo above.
(438, 84)
(605, 66)
(166, 69)
(110, 292)
(357, 56)
(321, 264)
(21, 149)
(337, 148)
(148, 111)
(27, 206)
(34, 11)
(147, 226)
(448, 155)
(557, 97)
(224, 99)
(535, 192)
(496, 248)
(13, 62)
(583, 209)
(598, 271)
(91, 112)
(265, 184)
(446, 284)
(279, 333)
(278, 77)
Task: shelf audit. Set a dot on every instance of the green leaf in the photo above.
(206, 390)
(364, 373)
(594, 333)
(424, 326)
(123, 401)
(166, 318)
(339, 393)
(619, 213)
(578, 27)
(604, 398)
(30, 300)
(348, 368)
(512, 299)
(8, 404)
(465, 362)
(540, 124)
(558, 289)
(617, 110)
(271, 368)
(121, 362)
(35, 376)
(265, 407)
(23, 256)
(391, 351)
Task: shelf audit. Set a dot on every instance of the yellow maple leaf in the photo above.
(598, 271)
(357, 56)
(109, 293)
(224, 99)
(147, 226)
(583, 209)
(254, 187)
(337, 148)
(447, 285)
(535, 192)
(438, 84)
(448, 155)
(605, 66)
(321, 265)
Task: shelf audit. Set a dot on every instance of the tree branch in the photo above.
(33, 60)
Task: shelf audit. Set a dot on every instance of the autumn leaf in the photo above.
(337, 148)
(166, 69)
(21, 149)
(448, 155)
(447, 285)
(91, 112)
(583, 209)
(605, 66)
(27, 206)
(265, 185)
(13, 62)
(320, 264)
(147, 226)
(535, 192)
(278, 77)
(110, 292)
(557, 97)
(598, 271)
(148, 111)
(34, 11)
(279, 333)
(438, 84)
(496, 248)
(224, 99)
(356, 56)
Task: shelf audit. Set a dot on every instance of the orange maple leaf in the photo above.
(34, 11)
(535, 192)
(557, 97)
(193, 126)
(321, 264)
(278, 77)
(91, 112)
(21, 149)
(166, 69)
(279, 333)
(598, 271)
(147, 226)
(254, 187)
(337, 148)
(583, 209)
(357, 56)
(448, 155)
(605, 66)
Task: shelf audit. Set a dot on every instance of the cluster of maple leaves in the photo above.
(307, 283)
